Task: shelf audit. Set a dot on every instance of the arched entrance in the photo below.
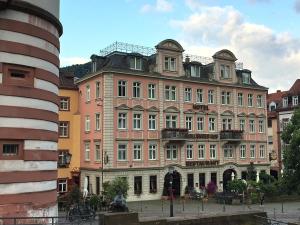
(227, 176)
(175, 184)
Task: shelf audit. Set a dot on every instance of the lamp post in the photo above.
(171, 171)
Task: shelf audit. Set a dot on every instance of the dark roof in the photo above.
(295, 89)
(66, 80)
(275, 97)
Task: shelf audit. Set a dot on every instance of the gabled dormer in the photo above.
(169, 58)
(225, 66)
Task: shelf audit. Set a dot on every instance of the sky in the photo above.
(263, 34)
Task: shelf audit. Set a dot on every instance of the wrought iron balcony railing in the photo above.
(231, 135)
(174, 133)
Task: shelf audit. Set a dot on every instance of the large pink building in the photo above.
(146, 110)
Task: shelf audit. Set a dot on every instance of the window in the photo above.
(137, 151)
(152, 151)
(63, 129)
(246, 78)
(136, 90)
(201, 151)
(285, 102)
(153, 184)
(210, 97)
(213, 178)
(151, 91)
(87, 150)
(94, 66)
(212, 151)
(138, 185)
(62, 158)
(226, 124)
(240, 99)
(87, 93)
(242, 124)
(62, 185)
(97, 185)
(225, 98)
(170, 64)
(261, 151)
(250, 100)
(122, 88)
(135, 63)
(243, 151)
(190, 180)
(189, 151)
(97, 89)
(122, 121)
(228, 151)
(252, 126)
(137, 121)
(200, 123)
(87, 123)
(97, 121)
(261, 126)
(18, 75)
(225, 71)
(211, 124)
(171, 152)
(252, 151)
(152, 122)
(188, 94)
(64, 104)
(97, 151)
(295, 100)
(188, 122)
(201, 180)
(259, 101)
(170, 93)
(270, 140)
(199, 97)
(122, 152)
(171, 121)
(195, 71)
(10, 149)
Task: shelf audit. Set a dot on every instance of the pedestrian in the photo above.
(262, 198)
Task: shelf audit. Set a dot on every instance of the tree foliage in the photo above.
(237, 186)
(112, 188)
(291, 152)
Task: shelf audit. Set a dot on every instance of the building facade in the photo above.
(29, 65)
(69, 134)
(281, 106)
(152, 110)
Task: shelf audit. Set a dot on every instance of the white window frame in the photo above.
(295, 100)
(170, 93)
(122, 87)
(152, 121)
(188, 94)
(87, 93)
(137, 151)
(252, 126)
(225, 97)
(261, 126)
(171, 121)
(87, 123)
(122, 120)
(152, 148)
(211, 124)
(97, 151)
(252, 151)
(97, 121)
(211, 97)
(170, 64)
(201, 151)
(122, 151)
(171, 152)
(242, 151)
(199, 95)
(97, 91)
(246, 78)
(200, 123)
(137, 121)
(135, 63)
(195, 71)
(250, 100)
(242, 124)
(228, 151)
(87, 151)
(262, 151)
(259, 101)
(64, 104)
(189, 151)
(62, 185)
(151, 91)
(189, 122)
(213, 151)
(240, 99)
(227, 123)
(136, 89)
(225, 71)
(64, 129)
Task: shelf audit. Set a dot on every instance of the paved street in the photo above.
(291, 210)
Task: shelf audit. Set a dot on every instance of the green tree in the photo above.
(291, 153)
(237, 186)
(111, 189)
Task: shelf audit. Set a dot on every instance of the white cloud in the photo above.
(68, 61)
(273, 57)
(159, 6)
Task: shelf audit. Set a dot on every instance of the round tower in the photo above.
(29, 77)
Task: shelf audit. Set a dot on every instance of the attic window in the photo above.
(94, 66)
(135, 63)
(225, 71)
(246, 78)
(170, 63)
(195, 71)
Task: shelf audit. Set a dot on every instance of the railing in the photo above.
(231, 135)
(267, 221)
(174, 133)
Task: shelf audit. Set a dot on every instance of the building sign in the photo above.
(203, 136)
(206, 163)
(200, 107)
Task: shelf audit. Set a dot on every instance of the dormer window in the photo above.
(285, 102)
(295, 100)
(170, 63)
(135, 63)
(246, 78)
(195, 71)
(225, 71)
(94, 66)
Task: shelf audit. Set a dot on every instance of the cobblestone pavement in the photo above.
(286, 212)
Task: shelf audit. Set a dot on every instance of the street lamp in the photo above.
(171, 171)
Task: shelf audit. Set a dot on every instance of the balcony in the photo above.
(178, 134)
(231, 135)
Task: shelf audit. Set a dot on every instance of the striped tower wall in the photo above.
(29, 70)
